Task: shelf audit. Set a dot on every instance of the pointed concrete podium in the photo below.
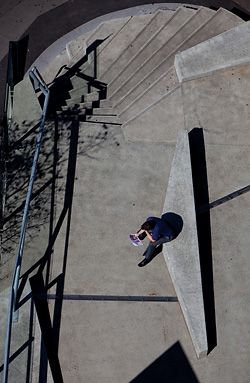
(182, 254)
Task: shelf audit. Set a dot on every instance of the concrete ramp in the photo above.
(182, 254)
(226, 50)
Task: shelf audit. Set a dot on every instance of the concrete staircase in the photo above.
(133, 61)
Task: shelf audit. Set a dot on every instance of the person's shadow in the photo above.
(175, 223)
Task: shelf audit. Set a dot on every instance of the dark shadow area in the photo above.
(171, 367)
(47, 330)
(17, 60)
(85, 72)
(174, 221)
(242, 13)
(201, 197)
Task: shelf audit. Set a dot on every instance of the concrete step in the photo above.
(86, 105)
(128, 109)
(104, 119)
(79, 83)
(197, 35)
(222, 21)
(167, 50)
(182, 255)
(226, 50)
(160, 122)
(106, 104)
(93, 96)
(105, 31)
(104, 111)
(139, 41)
(174, 24)
(73, 101)
(121, 41)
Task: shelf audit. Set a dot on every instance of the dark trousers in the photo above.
(155, 248)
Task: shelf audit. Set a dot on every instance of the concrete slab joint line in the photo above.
(182, 254)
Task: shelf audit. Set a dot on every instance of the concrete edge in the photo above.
(210, 72)
(182, 254)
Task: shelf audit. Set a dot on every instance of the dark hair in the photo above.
(148, 225)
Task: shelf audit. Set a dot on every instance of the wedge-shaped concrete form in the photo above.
(182, 254)
(226, 50)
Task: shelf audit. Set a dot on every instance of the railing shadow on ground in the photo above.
(62, 85)
(172, 366)
(201, 198)
(39, 272)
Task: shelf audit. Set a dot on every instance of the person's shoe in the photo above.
(143, 262)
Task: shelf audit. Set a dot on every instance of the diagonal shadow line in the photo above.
(28, 296)
(44, 356)
(48, 335)
(69, 196)
(222, 200)
(92, 81)
(41, 263)
(34, 195)
(17, 143)
(43, 353)
(18, 352)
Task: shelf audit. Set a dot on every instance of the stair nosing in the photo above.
(139, 34)
(158, 50)
(165, 59)
(144, 92)
(115, 35)
(146, 44)
(153, 104)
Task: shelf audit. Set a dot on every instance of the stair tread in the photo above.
(141, 39)
(114, 48)
(159, 123)
(77, 48)
(165, 84)
(167, 50)
(166, 33)
(162, 67)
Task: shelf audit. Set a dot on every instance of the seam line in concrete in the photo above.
(125, 298)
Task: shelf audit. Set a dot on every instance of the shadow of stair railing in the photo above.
(84, 71)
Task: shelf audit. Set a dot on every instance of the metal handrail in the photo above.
(38, 84)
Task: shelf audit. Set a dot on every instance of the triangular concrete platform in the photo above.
(182, 254)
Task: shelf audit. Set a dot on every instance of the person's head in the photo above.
(148, 225)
